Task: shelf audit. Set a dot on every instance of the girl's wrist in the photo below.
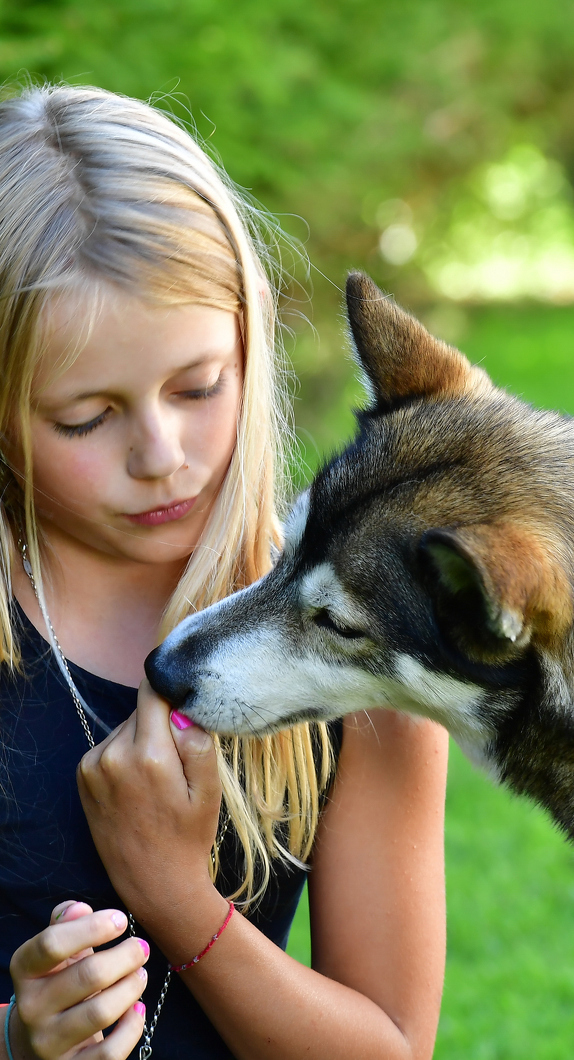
(203, 953)
(7, 1011)
(151, 896)
(15, 1033)
(186, 927)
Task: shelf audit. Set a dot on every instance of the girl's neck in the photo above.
(106, 611)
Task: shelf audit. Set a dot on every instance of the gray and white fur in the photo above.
(429, 568)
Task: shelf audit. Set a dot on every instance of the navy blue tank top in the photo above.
(46, 850)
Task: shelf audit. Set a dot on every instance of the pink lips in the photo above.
(163, 515)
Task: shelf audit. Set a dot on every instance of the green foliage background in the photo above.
(324, 109)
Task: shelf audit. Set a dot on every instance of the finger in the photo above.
(152, 718)
(58, 942)
(94, 1014)
(70, 910)
(196, 750)
(91, 759)
(104, 762)
(94, 973)
(126, 1034)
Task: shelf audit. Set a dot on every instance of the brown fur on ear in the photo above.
(516, 569)
(399, 355)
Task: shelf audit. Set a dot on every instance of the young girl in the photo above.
(140, 428)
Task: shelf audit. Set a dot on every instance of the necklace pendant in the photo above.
(145, 1052)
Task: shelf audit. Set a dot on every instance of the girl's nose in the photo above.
(156, 450)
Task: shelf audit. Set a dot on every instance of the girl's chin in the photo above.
(115, 536)
(155, 551)
(160, 544)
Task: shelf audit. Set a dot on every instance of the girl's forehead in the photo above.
(125, 341)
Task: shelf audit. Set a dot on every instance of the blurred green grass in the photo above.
(509, 989)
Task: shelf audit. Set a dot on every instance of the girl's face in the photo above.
(131, 443)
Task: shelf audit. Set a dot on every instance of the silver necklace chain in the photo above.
(149, 1030)
(62, 658)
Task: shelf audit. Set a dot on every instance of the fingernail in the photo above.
(140, 1008)
(144, 945)
(180, 721)
(120, 921)
(66, 909)
(142, 973)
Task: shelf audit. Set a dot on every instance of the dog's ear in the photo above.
(400, 358)
(497, 586)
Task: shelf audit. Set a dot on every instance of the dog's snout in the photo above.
(164, 679)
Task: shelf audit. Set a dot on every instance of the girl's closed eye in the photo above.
(78, 430)
(204, 392)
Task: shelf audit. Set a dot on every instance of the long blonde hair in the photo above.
(99, 189)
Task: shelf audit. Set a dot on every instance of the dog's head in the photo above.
(428, 566)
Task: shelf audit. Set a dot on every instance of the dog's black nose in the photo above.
(163, 679)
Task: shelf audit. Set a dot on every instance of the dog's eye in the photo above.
(322, 618)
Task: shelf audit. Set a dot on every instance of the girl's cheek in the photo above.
(218, 433)
(87, 467)
(70, 473)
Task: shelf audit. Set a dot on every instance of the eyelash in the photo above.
(79, 430)
(211, 391)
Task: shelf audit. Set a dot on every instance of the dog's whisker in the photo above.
(373, 726)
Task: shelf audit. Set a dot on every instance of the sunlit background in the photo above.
(431, 143)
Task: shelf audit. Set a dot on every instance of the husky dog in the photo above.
(429, 567)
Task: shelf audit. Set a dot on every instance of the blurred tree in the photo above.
(327, 108)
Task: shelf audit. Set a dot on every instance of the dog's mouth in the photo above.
(248, 724)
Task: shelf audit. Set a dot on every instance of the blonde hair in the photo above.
(99, 189)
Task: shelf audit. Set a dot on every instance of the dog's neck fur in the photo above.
(534, 750)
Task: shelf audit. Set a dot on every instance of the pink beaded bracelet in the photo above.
(212, 941)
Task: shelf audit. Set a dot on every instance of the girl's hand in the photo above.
(151, 793)
(66, 994)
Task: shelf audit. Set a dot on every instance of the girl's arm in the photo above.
(377, 892)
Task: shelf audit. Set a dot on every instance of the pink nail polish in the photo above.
(140, 1008)
(180, 721)
(144, 946)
